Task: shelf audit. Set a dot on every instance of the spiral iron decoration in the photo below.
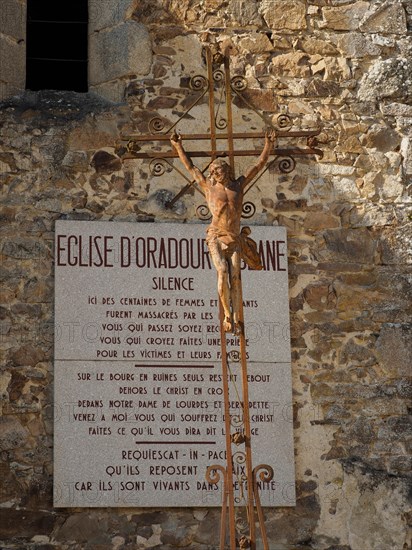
(233, 355)
(239, 457)
(238, 83)
(284, 122)
(158, 167)
(264, 472)
(248, 210)
(215, 473)
(156, 125)
(287, 165)
(236, 420)
(242, 525)
(218, 75)
(203, 212)
(198, 83)
(221, 123)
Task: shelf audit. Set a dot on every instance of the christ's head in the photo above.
(220, 172)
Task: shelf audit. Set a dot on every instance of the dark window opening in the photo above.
(57, 45)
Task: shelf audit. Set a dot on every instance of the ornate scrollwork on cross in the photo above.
(215, 473)
(198, 83)
(236, 420)
(284, 122)
(156, 125)
(239, 457)
(286, 164)
(248, 210)
(264, 472)
(241, 524)
(220, 122)
(203, 212)
(218, 75)
(234, 356)
(238, 83)
(158, 167)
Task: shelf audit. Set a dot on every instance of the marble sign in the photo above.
(138, 383)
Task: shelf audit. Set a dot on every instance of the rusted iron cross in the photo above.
(218, 76)
(242, 433)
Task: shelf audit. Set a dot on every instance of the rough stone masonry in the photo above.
(343, 64)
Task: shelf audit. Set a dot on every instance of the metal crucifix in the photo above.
(221, 128)
(225, 241)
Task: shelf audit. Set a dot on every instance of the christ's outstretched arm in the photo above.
(176, 141)
(270, 141)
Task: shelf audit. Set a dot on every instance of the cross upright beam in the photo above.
(236, 432)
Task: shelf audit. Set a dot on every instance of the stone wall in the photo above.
(345, 65)
(119, 47)
(12, 47)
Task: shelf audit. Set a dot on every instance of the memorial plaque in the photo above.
(138, 383)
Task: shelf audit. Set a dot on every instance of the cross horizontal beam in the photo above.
(237, 153)
(243, 135)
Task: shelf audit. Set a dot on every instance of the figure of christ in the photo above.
(227, 243)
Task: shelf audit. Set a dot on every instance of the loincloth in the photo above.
(230, 243)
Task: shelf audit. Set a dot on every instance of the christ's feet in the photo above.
(238, 328)
(227, 324)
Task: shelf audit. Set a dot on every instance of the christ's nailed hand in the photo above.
(176, 138)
